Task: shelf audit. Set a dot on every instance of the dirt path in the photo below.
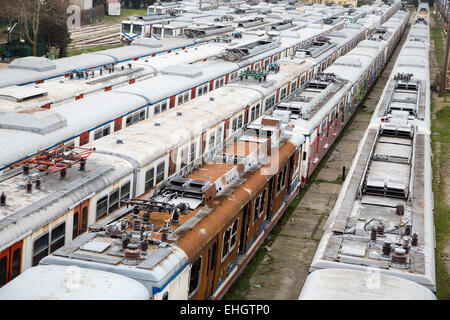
(281, 273)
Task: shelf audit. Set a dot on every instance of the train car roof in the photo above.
(54, 282)
(41, 130)
(345, 284)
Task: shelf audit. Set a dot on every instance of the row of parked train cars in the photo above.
(379, 238)
(176, 205)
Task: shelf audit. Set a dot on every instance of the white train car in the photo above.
(383, 217)
(72, 283)
(344, 284)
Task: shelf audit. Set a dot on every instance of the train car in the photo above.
(72, 283)
(345, 284)
(383, 217)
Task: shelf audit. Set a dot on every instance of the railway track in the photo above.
(94, 35)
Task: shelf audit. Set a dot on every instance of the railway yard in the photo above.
(272, 151)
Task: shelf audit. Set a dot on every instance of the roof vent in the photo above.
(179, 113)
(119, 141)
(211, 98)
(157, 124)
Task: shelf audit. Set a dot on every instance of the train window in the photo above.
(293, 86)
(126, 27)
(58, 237)
(226, 243)
(113, 200)
(165, 296)
(75, 225)
(194, 280)
(240, 120)
(163, 106)
(160, 172)
(212, 141)
(149, 179)
(257, 110)
(205, 89)
(180, 99)
(3, 270)
(157, 109)
(129, 121)
(184, 157)
(283, 93)
(234, 125)
(186, 97)
(192, 151)
(252, 114)
(234, 230)
(137, 28)
(304, 155)
(84, 216)
(102, 206)
(40, 248)
(256, 209)
(125, 191)
(200, 91)
(219, 135)
(281, 179)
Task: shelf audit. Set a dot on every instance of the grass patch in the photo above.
(92, 49)
(441, 137)
(338, 180)
(436, 36)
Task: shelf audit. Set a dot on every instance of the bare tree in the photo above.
(31, 13)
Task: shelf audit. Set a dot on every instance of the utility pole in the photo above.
(444, 67)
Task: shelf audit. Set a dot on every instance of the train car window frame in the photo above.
(192, 290)
(103, 201)
(3, 270)
(163, 106)
(157, 109)
(114, 200)
(212, 140)
(125, 190)
(160, 171)
(43, 241)
(149, 179)
(57, 237)
(184, 156)
(229, 239)
(193, 151)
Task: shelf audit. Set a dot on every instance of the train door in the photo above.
(193, 92)
(172, 162)
(10, 263)
(84, 138)
(269, 200)
(80, 219)
(118, 124)
(210, 269)
(244, 229)
(211, 85)
(172, 102)
(227, 78)
(246, 114)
